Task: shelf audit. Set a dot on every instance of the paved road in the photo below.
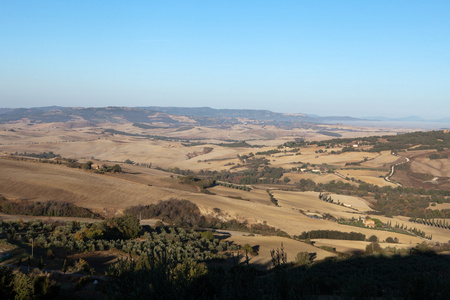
(388, 177)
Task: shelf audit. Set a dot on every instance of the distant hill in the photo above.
(250, 114)
(202, 116)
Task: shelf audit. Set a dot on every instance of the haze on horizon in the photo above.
(352, 58)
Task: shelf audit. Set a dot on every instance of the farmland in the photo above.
(270, 189)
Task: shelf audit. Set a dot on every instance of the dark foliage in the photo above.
(331, 234)
(44, 155)
(21, 286)
(179, 212)
(47, 208)
(186, 214)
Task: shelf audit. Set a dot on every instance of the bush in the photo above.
(302, 258)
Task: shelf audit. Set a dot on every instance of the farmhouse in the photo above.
(95, 166)
(369, 223)
(314, 216)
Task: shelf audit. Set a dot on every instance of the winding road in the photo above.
(391, 173)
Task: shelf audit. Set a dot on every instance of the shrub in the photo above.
(302, 258)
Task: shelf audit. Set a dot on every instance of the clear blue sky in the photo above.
(356, 58)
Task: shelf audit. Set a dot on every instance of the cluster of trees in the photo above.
(200, 183)
(156, 137)
(438, 140)
(177, 170)
(329, 133)
(187, 214)
(45, 208)
(146, 126)
(175, 211)
(438, 156)
(272, 198)
(73, 163)
(16, 285)
(297, 143)
(275, 151)
(331, 234)
(43, 155)
(63, 239)
(431, 222)
(306, 185)
(328, 199)
(399, 228)
(411, 202)
(256, 175)
(325, 198)
(242, 144)
(172, 263)
(235, 186)
(257, 171)
(268, 152)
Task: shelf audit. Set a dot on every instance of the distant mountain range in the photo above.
(205, 116)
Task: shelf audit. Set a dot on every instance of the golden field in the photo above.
(110, 194)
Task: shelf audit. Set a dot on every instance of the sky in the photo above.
(356, 58)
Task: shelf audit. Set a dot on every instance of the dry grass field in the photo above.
(372, 177)
(36, 181)
(255, 195)
(440, 206)
(435, 167)
(425, 172)
(112, 193)
(310, 202)
(317, 178)
(381, 161)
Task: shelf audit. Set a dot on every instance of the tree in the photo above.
(247, 248)
(127, 227)
(6, 282)
(117, 169)
(279, 257)
(208, 235)
(373, 239)
(87, 165)
(64, 267)
(302, 258)
(23, 286)
(373, 248)
(390, 240)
